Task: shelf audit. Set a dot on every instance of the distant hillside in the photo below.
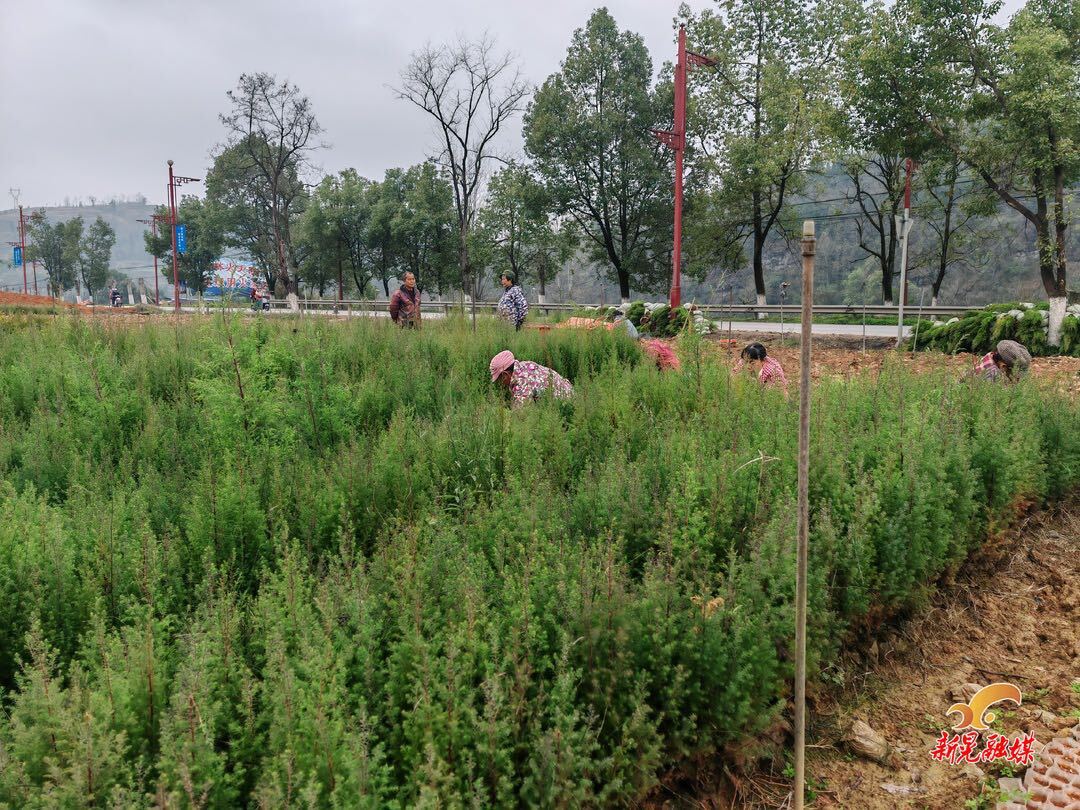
(129, 254)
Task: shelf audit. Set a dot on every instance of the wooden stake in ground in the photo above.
(808, 244)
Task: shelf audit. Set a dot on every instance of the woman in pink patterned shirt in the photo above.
(526, 380)
(770, 373)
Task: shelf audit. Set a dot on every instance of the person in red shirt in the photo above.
(1009, 361)
(769, 371)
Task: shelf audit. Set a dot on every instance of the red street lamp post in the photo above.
(152, 222)
(175, 181)
(676, 139)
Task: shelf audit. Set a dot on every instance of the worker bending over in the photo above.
(527, 381)
(769, 371)
(1008, 362)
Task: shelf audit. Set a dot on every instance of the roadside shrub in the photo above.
(980, 330)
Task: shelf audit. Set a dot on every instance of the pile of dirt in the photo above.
(35, 301)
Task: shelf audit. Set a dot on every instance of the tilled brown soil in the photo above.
(841, 356)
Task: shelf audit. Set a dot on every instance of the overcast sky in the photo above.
(97, 94)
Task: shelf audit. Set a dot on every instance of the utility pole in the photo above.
(15, 194)
(172, 230)
(175, 181)
(905, 229)
(675, 139)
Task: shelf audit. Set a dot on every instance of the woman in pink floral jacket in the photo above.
(526, 380)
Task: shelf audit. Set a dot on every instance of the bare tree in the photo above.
(956, 213)
(273, 125)
(878, 188)
(471, 92)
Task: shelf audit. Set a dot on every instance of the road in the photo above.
(791, 327)
(846, 329)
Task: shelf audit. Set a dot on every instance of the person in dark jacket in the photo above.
(405, 304)
(512, 306)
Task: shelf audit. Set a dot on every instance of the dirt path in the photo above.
(1013, 615)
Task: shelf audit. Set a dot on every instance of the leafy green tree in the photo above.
(588, 130)
(57, 247)
(877, 188)
(333, 233)
(518, 224)
(205, 224)
(244, 198)
(386, 199)
(859, 285)
(957, 209)
(759, 119)
(424, 228)
(1004, 99)
(94, 255)
(874, 143)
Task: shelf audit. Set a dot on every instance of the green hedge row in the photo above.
(325, 565)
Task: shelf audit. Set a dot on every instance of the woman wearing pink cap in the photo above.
(527, 380)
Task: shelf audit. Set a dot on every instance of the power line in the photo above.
(962, 181)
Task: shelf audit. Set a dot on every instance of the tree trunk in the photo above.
(1060, 282)
(283, 268)
(759, 271)
(935, 288)
(888, 265)
(886, 285)
(943, 259)
(624, 283)
(1048, 260)
(1058, 310)
(1059, 216)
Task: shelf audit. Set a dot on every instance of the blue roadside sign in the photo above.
(18, 256)
(181, 238)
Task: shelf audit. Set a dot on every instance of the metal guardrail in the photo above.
(368, 307)
(360, 307)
